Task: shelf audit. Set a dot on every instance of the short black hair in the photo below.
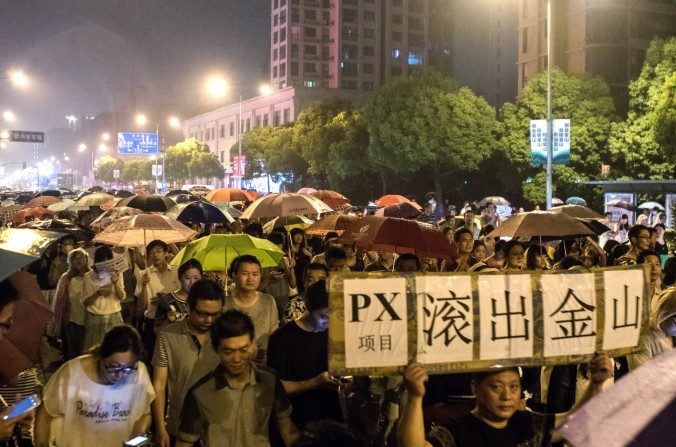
(8, 293)
(636, 230)
(335, 253)
(316, 296)
(640, 259)
(407, 257)
(239, 260)
(277, 237)
(157, 243)
(460, 231)
(315, 266)
(205, 289)
(511, 244)
(254, 229)
(121, 338)
(103, 253)
(231, 323)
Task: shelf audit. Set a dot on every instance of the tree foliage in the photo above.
(585, 100)
(106, 167)
(424, 122)
(644, 145)
(189, 159)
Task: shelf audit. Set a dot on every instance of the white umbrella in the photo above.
(650, 205)
(285, 204)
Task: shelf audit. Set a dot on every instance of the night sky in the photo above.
(92, 56)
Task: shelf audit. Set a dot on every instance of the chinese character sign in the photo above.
(238, 165)
(445, 314)
(475, 321)
(375, 322)
(560, 141)
(136, 143)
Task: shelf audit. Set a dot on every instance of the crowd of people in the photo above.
(240, 358)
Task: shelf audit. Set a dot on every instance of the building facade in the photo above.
(607, 38)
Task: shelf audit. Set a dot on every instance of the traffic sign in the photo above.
(135, 143)
(116, 173)
(156, 170)
(26, 136)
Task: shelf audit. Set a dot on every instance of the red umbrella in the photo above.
(332, 198)
(306, 190)
(31, 214)
(19, 347)
(332, 222)
(393, 235)
(230, 195)
(393, 199)
(403, 210)
(42, 201)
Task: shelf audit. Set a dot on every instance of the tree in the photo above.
(136, 171)
(189, 159)
(584, 99)
(425, 123)
(106, 167)
(644, 145)
(206, 165)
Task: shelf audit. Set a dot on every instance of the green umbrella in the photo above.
(20, 247)
(217, 251)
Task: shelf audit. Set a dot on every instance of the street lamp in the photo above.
(105, 136)
(550, 137)
(8, 116)
(18, 78)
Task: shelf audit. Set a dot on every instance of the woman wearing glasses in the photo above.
(101, 398)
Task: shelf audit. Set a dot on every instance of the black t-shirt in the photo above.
(524, 428)
(296, 354)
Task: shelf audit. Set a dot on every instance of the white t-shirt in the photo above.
(104, 304)
(92, 414)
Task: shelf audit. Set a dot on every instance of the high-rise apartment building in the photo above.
(607, 38)
(346, 44)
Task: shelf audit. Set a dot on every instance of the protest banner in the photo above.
(476, 321)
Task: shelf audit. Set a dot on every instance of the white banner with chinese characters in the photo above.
(476, 321)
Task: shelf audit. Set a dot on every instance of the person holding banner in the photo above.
(497, 419)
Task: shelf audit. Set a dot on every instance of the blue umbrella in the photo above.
(576, 201)
(200, 211)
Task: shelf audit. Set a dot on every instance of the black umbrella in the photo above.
(597, 227)
(184, 198)
(62, 226)
(199, 211)
(175, 192)
(23, 198)
(150, 203)
(96, 188)
(48, 192)
(124, 193)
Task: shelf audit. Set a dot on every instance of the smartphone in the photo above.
(24, 406)
(137, 441)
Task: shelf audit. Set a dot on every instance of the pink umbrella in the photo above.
(306, 190)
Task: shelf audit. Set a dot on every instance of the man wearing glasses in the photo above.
(182, 355)
(639, 237)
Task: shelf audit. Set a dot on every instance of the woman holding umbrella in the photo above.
(102, 292)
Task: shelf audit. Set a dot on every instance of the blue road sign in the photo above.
(136, 143)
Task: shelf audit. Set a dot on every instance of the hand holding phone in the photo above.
(24, 406)
(137, 441)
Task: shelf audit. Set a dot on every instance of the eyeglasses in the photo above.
(205, 315)
(127, 369)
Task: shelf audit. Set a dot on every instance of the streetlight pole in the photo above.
(550, 138)
(239, 136)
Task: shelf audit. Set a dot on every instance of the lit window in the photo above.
(396, 53)
(415, 58)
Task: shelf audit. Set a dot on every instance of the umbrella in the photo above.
(139, 230)
(66, 193)
(20, 247)
(49, 192)
(63, 205)
(175, 192)
(617, 203)
(287, 223)
(650, 206)
(123, 193)
(306, 190)
(19, 347)
(62, 226)
(230, 195)
(496, 200)
(23, 198)
(556, 201)
(285, 204)
(94, 199)
(183, 198)
(30, 214)
(83, 194)
(576, 201)
(7, 212)
(216, 251)
(201, 212)
(393, 199)
(332, 198)
(579, 211)
(393, 235)
(597, 227)
(403, 210)
(148, 203)
(43, 201)
(332, 222)
(637, 410)
(96, 188)
(229, 210)
(113, 214)
(542, 224)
